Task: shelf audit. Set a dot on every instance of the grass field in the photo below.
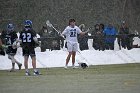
(95, 79)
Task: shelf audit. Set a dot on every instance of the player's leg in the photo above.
(75, 48)
(33, 57)
(26, 62)
(68, 58)
(27, 73)
(13, 63)
(34, 62)
(26, 56)
(18, 63)
(11, 53)
(36, 71)
(13, 58)
(8, 51)
(26, 65)
(73, 59)
(69, 47)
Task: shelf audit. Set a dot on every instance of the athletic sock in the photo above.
(35, 70)
(13, 65)
(27, 70)
(18, 62)
(73, 65)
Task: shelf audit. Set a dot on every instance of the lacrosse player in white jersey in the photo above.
(70, 33)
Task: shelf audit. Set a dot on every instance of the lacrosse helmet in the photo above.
(10, 27)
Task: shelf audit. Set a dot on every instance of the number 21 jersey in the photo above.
(71, 33)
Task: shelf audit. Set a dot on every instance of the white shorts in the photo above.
(72, 46)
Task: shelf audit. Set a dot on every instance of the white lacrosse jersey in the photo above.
(71, 33)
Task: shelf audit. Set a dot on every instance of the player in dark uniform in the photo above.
(9, 40)
(28, 42)
(1, 48)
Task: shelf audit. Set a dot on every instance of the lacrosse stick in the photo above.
(83, 58)
(50, 25)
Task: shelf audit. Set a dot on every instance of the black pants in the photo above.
(2, 52)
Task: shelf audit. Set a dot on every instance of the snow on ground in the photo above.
(56, 58)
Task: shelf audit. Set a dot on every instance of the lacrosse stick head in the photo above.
(48, 23)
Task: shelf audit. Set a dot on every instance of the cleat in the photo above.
(20, 65)
(37, 73)
(66, 67)
(73, 67)
(12, 70)
(27, 73)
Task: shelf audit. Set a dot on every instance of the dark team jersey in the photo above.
(8, 38)
(27, 38)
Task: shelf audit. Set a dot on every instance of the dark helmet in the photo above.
(28, 23)
(10, 27)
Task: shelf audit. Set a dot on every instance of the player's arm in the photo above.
(82, 33)
(35, 38)
(16, 43)
(64, 33)
(15, 37)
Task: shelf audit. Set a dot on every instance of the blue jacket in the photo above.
(109, 31)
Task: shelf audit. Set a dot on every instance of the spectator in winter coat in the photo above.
(1, 48)
(101, 27)
(124, 39)
(98, 37)
(44, 43)
(97, 28)
(110, 33)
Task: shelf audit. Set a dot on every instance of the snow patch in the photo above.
(57, 58)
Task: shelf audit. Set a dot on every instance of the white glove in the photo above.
(19, 40)
(35, 39)
(14, 45)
